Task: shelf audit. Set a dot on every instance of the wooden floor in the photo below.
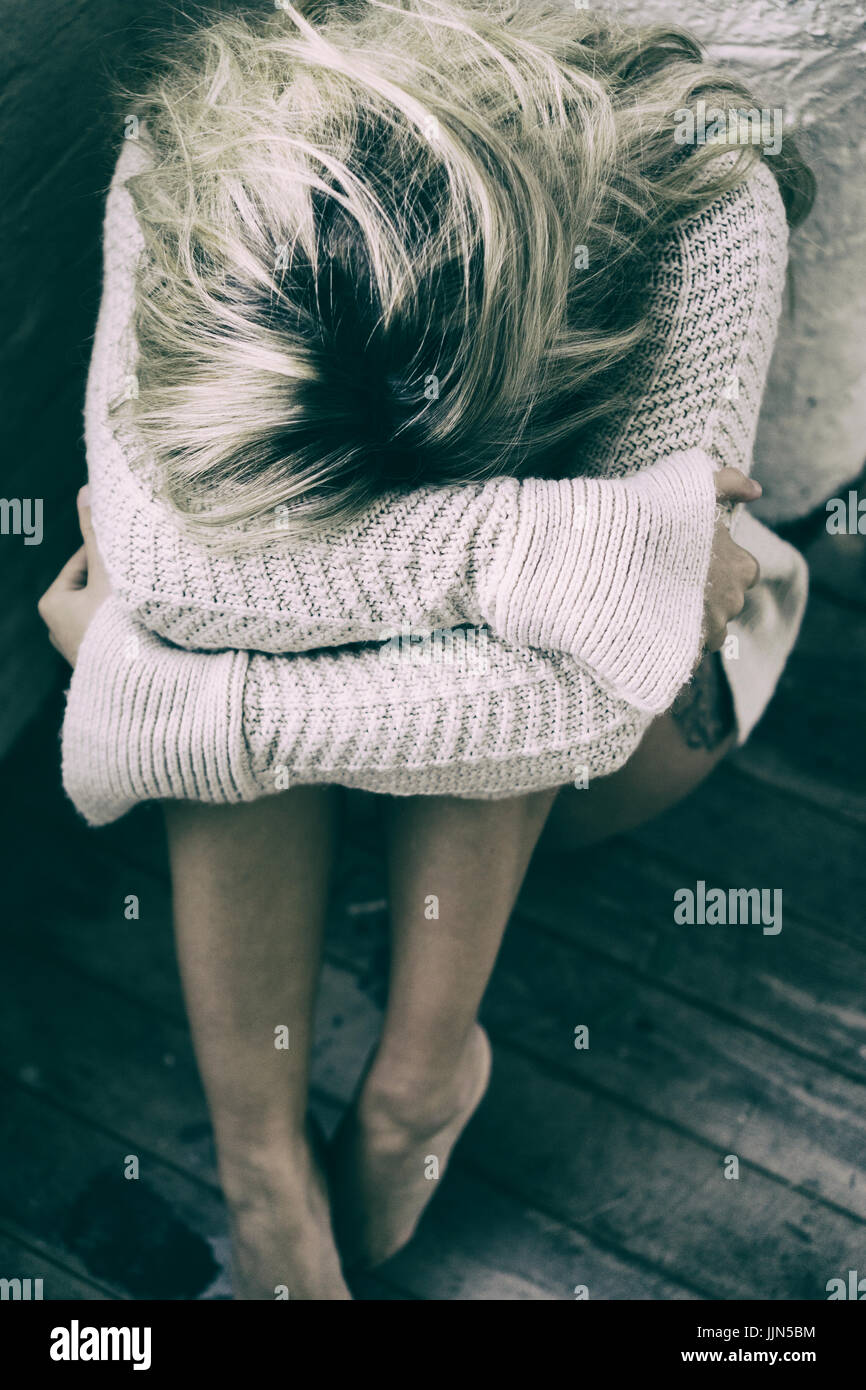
(602, 1168)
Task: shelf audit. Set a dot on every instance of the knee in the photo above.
(661, 772)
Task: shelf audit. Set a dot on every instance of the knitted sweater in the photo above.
(335, 660)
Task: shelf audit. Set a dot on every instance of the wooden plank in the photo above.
(738, 832)
(470, 1227)
(148, 1238)
(810, 741)
(793, 1118)
(802, 988)
(656, 1194)
(114, 1063)
(648, 1192)
(711, 1077)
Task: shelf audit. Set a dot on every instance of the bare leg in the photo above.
(677, 753)
(250, 893)
(455, 869)
(430, 1068)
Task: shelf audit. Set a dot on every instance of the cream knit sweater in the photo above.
(224, 679)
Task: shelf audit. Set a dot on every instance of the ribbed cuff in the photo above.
(612, 572)
(146, 721)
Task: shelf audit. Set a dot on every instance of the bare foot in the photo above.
(282, 1242)
(385, 1159)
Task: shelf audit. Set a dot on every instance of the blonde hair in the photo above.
(398, 244)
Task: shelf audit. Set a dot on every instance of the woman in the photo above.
(425, 321)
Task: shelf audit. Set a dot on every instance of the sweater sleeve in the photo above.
(610, 572)
(149, 721)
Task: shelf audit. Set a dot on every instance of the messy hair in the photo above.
(390, 245)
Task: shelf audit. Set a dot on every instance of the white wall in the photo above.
(809, 57)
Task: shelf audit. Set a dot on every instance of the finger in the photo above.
(95, 569)
(85, 521)
(72, 576)
(733, 486)
(751, 570)
(737, 605)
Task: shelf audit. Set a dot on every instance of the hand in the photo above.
(67, 607)
(733, 570)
